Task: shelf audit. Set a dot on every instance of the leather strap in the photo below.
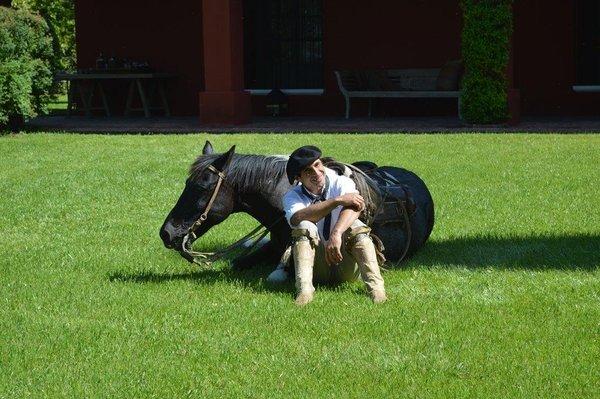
(204, 214)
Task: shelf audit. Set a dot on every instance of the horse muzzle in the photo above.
(171, 236)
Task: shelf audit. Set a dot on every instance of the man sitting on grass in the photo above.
(330, 244)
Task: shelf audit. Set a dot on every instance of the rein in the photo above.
(190, 236)
(206, 258)
(401, 209)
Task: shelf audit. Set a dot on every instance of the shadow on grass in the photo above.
(253, 279)
(577, 252)
(250, 278)
(573, 252)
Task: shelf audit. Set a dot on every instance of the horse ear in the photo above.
(208, 148)
(224, 160)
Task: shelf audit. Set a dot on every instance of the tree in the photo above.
(60, 18)
(487, 29)
(25, 65)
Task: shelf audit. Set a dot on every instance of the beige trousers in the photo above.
(347, 269)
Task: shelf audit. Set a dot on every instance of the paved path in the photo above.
(310, 124)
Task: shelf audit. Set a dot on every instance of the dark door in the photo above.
(283, 44)
(588, 42)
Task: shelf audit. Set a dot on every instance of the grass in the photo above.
(504, 300)
(58, 104)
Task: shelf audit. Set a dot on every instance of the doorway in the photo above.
(283, 44)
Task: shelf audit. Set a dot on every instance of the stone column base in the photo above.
(225, 107)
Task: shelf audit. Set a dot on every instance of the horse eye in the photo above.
(195, 185)
(201, 185)
(204, 181)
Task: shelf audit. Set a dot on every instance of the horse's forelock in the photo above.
(200, 164)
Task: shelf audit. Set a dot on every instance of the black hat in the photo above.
(300, 159)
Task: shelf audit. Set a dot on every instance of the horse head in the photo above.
(206, 200)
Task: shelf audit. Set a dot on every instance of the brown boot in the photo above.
(378, 296)
(366, 257)
(304, 298)
(304, 259)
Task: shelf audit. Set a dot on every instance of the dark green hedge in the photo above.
(487, 29)
(25, 64)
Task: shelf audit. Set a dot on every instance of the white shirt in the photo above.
(295, 199)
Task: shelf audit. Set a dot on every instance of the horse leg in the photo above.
(269, 253)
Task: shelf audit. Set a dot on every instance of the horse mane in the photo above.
(251, 173)
(246, 172)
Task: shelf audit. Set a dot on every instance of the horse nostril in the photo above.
(171, 235)
(166, 238)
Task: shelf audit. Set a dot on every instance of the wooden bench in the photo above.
(391, 83)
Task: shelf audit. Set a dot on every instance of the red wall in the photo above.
(392, 34)
(387, 34)
(166, 34)
(544, 59)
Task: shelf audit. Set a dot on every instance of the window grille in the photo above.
(588, 42)
(283, 44)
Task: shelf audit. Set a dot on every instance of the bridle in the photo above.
(206, 258)
(186, 245)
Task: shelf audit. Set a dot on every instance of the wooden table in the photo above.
(77, 83)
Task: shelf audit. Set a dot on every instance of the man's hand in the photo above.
(352, 200)
(333, 253)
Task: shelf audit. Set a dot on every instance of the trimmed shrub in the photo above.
(25, 64)
(487, 29)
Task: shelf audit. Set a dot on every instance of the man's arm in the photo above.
(315, 212)
(347, 217)
(333, 253)
(318, 211)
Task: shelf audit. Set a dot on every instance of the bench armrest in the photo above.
(340, 83)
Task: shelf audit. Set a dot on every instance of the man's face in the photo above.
(313, 177)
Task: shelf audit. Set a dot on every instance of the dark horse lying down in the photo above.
(255, 184)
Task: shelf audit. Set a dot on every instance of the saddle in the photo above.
(395, 203)
(396, 198)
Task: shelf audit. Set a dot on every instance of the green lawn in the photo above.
(503, 301)
(58, 104)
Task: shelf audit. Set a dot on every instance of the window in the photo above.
(283, 44)
(588, 42)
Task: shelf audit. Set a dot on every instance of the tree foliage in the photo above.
(487, 29)
(60, 18)
(25, 64)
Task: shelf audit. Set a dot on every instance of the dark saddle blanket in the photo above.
(401, 211)
(397, 202)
